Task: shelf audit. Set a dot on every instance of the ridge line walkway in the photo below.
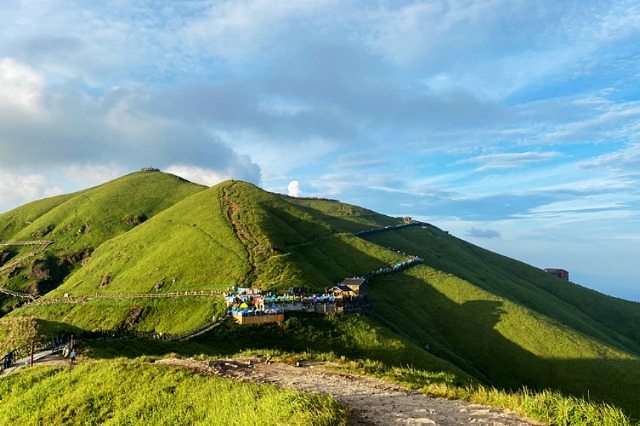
(43, 243)
(412, 261)
(26, 243)
(388, 228)
(18, 293)
(83, 299)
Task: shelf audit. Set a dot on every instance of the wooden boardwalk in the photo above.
(42, 243)
(83, 299)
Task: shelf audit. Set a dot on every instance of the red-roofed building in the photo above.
(560, 273)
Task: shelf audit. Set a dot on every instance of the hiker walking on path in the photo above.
(73, 357)
(8, 360)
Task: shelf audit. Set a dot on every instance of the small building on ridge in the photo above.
(351, 287)
(560, 273)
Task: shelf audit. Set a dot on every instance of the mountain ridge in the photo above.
(505, 323)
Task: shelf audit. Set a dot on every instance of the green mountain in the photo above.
(77, 224)
(466, 312)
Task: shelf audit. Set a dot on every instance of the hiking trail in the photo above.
(373, 402)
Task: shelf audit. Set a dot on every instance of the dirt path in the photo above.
(373, 402)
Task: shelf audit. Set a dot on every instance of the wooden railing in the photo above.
(43, 243)
(83, 299)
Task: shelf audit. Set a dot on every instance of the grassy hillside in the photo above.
(90, 217)
(79, 223)
(613, 321)
(342, 217)
(138, 393)
(467, 315)
(330, 337)
(496, 319)
(20, 218)
(231, 234)
(358, 344)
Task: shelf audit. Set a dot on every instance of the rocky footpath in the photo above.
(373, 402)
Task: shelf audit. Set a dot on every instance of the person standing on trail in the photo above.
(8, 359)
(73, 357)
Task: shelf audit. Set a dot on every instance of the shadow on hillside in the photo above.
(609, 320)
(321, 258)
(7, 254)
(468, 335)
(285, 229)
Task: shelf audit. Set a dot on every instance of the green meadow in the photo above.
(357, 344)
(139, 393)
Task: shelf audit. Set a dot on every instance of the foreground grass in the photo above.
(337, 336)
(138, 393)
(547, 406)
(358, 345)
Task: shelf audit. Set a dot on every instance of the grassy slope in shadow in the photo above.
(507, 343)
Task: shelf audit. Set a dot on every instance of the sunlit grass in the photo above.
(135, 392)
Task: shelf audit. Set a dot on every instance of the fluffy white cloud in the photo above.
(18, 189)
(20, 87)
(121, 130)
(627, 158)
(200, 175)
(93, 174)
(294, 188)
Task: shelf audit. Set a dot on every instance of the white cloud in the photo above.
(592, 202)
(20, 87)
(238, 29)
(93, 174)
(627, 158)
(483, 233)
(294, 188)
(622, 21)
(199, 175)
(120, 130)
(509, 160)
(18, 189)
(277, 158)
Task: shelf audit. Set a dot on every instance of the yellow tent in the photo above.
(244, 305)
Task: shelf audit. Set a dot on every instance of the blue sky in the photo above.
(512, 124)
